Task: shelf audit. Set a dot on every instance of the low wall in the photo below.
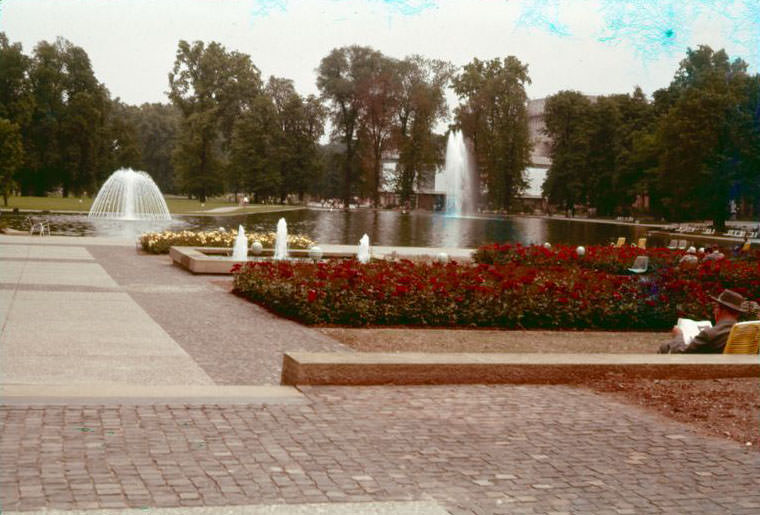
(301, 368)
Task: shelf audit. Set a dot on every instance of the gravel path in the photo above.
(477, 340)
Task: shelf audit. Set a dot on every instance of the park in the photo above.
(420, 287)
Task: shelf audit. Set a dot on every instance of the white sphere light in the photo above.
(257, 248)
(547, 245)
(442, 257)
(581, 250)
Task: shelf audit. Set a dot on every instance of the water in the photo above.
(281, 240)
(129, 195)
(458, 177)
(362, 255)
(240, 249)
(417, 229)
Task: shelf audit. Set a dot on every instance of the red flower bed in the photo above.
(597, 257)
(532, 288)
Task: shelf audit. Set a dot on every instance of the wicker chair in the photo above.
(744, 338)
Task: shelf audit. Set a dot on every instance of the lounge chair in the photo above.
(744, 338)
(683, 244)
(673, 245)
(640, 265)
(620, 242)
(642, 243)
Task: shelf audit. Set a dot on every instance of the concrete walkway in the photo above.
(130, 383)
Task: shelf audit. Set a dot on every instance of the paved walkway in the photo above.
(82, 313)
(473, 449)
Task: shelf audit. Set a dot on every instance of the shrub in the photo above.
(160, 242)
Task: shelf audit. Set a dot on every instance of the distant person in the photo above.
(727, 308)
(690, 258)
(714, 255)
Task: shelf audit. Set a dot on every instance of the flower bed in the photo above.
(160, 242)
(538, 293)
(597, 257)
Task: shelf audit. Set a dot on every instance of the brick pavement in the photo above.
(473, 449)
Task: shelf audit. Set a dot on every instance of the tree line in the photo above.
(227, 130)
(691, 150)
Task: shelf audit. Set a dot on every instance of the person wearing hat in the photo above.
(727, 308)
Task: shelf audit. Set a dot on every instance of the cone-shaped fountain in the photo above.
(130, 195)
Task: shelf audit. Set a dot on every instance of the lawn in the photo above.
(177, 205)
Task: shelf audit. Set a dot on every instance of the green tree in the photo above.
(66, 128)
(698, 136)
(421, 104)
(11, 156)
(211, 87)
(16, 98)
(157, 129)
(339, 74)
(378, 92)
(255, 159)
(494, 116)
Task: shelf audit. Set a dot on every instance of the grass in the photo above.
(177, 205)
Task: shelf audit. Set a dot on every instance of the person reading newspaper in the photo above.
(691, 336)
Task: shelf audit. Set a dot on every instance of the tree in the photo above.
(494, 116)
(16, 98)
(211, 87)
(377, 89)
(65, 132)
(339, 74)
(157, 128)
(567, 123)
(255, 165)
(11, 156)
(698, 136)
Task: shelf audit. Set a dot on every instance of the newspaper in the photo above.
(691, 328)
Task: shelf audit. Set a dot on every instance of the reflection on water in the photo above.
(422, 229)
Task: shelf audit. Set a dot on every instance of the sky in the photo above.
(595, 46)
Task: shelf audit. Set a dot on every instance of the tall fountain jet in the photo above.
(458, 177)
(130, 195)
(362, 254)
(281, 240)
(240, 249)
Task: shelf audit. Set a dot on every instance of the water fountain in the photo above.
(240, 249)
(362, 254)
(458, 177)
(129, 195)
(281, 240)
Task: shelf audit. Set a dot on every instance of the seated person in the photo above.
(690, 258)
(715, 255)
(726, 310)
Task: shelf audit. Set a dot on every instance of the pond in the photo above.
(419, 228)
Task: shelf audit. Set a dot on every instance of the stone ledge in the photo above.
(303, 368)
(218, 260)
(135, 394)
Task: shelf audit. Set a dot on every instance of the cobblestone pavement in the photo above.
(473, 449)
